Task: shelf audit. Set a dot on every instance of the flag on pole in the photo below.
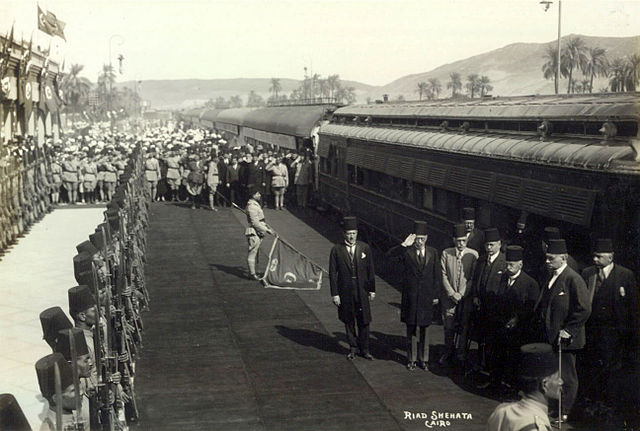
(290, 269)
(50, 24)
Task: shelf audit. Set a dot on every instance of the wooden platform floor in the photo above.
(223, 353)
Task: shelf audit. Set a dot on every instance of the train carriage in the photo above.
(572, 162)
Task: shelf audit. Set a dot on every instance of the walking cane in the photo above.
(560, 371)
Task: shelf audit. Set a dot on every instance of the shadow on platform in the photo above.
(315, 339)
(236, 271)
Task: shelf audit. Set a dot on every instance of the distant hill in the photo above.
(515, 69)
(187, 93)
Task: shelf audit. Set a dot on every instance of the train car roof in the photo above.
(210, 114)
(287, 120)
(236, 116)
(564, 152)
(192, 113)
(594, 107)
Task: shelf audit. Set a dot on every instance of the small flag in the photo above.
(289, 269)
(48, 23)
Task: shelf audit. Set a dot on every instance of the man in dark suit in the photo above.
(561, 312)
(542, 270)
(353, 284)
(419, 289)
(612, 331)
(486, 284)
(475, 238)
(516, 298)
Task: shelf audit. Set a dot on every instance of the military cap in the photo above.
(349, 223)
(87, 247)
(468, 213)
(551, 232)
(80, 299)
(537, 360)
(491, 235)
(603, 245)
(53, 320)
(45, 368)
(459, 230)
(63, 345)
(82, 263)
(420, 227)
(557, 246)
(11, 416)
(514, 253)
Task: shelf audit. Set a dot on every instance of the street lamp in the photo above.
(546, 4)
(119, 40)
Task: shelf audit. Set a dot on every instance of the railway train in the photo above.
(566, 161)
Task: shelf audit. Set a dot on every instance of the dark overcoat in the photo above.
(569, 308)
(516, 305)
(354, 293)
(420, 284)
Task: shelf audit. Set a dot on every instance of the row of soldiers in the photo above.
(24, 189)
(498, 297)
(88, 379)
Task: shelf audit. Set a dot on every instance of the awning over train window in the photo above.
(230, 128)
(571, 204)
(280, 140)
(287, 120)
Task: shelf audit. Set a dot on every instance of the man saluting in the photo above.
(353, 284)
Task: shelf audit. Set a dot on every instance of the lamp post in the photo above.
(109, 105)
(547, 4)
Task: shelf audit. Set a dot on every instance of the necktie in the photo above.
(458, 270)
(351, 252)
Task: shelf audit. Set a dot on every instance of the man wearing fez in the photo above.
(256, 230)
(612, 340)
(551, 233)
(82, 308)
(540, 382)
(486, 284)
(475, 238)
(353, 284)
(45, 369)
(457, 265)
(516, 298)
(53, 320)
(419, 289)
(560, 314)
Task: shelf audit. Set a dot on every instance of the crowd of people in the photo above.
(587, 320)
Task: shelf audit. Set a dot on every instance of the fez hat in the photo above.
(537, 360)
(81, 263)
(514, 253)
(63, 345)
(557, 246)
(86, 246)
(46, 374)
(349, 223)
(80, 299)
(420, 227)
(468, 213)
(11, 415)
(603, 245)
(97, 239)
(53, 320)
(459, 230)
(491, 235)
(551, 232)
(107, 231)
(112, 204)
(85, 278)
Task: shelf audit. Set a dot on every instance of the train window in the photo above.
(427, 197)
(440, 201)
(323, 165)
(356, 174)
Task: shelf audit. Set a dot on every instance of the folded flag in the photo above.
(289, 269)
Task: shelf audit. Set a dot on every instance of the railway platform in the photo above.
(222, 352)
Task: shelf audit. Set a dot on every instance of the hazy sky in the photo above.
(373, 41)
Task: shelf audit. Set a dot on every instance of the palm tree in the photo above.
(550, 66)
(346, 94)
(633, 72)
(434, 88)
(485, 85)
(275, 87)
(105, 86)
(333, 82)
(472, 84)
(422, 89)
(574, 57)
(618, 73)
(235, 101)
(455, 83)
(76, 88)
(597, 65)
